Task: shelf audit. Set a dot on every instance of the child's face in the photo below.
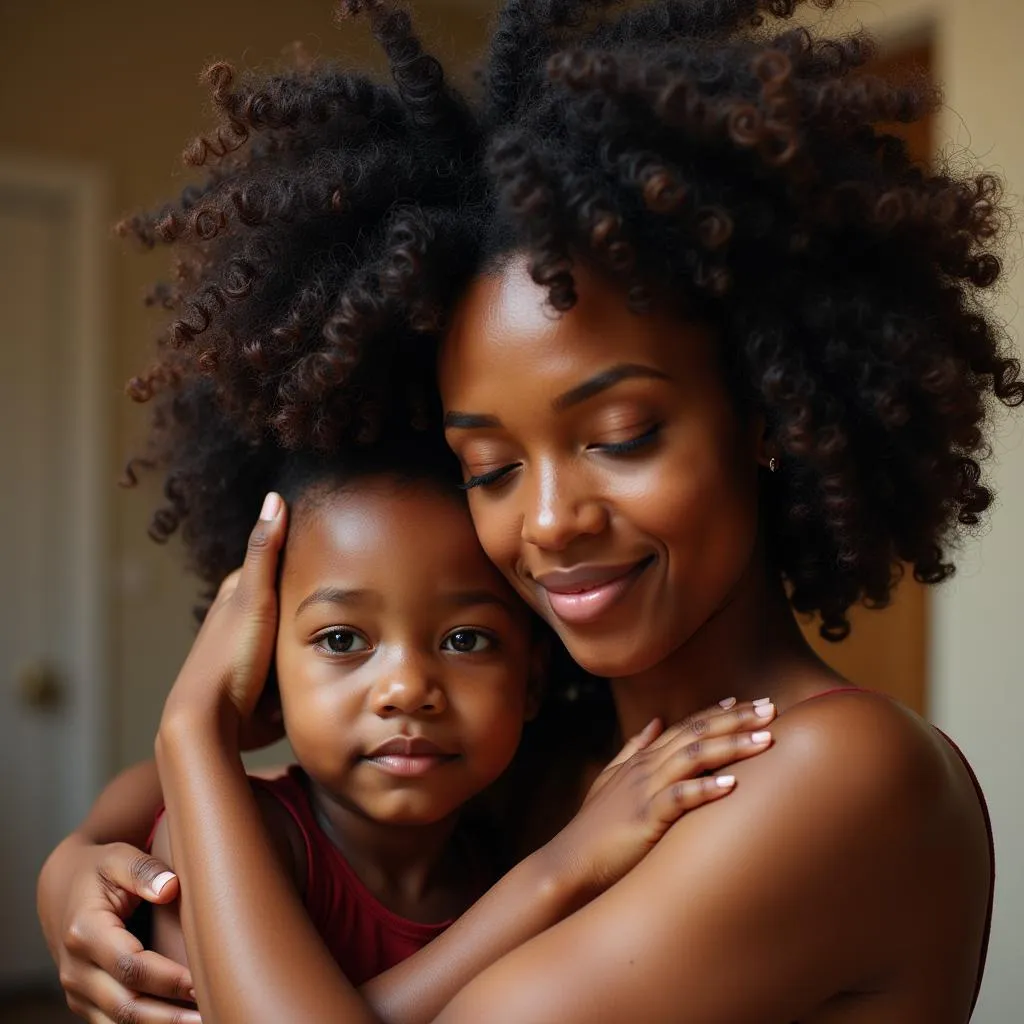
(403, 657)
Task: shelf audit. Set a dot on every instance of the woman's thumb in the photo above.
(141, 874)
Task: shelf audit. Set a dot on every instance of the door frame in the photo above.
(80, 192)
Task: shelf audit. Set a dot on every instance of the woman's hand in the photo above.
(227, 668)
(658, 776)
(107, 976)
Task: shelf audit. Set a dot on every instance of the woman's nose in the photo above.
(559, 510)
(409, 688)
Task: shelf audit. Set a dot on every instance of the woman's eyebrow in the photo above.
(580, 393)
(603, 381)
(469, 420)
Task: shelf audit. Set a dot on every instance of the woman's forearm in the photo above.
(256, 957)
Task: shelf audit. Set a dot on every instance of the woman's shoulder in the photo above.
(856, 791)
(874, 747)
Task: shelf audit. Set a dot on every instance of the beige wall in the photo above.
(978, 619)
(114, 83)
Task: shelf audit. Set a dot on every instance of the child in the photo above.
(406, 667)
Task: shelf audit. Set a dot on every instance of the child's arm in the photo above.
(168, 939)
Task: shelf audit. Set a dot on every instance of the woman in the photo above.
(709, 346)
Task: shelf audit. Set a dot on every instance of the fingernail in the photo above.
(192, 995)
(760, 737)
(762, 700)
(764, 710)
(725, 781)
(161, 880)
(271, 507)
(729, 702)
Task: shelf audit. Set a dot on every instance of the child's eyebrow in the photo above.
(334, 595)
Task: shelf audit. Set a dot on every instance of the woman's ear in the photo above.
(765, 449)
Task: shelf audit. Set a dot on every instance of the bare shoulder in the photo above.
(876, 754)
(819, 875)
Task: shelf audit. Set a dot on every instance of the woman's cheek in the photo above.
(498, 531)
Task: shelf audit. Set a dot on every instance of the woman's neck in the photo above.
(409, 868)
(750, 648)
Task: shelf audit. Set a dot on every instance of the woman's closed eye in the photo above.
(468, 640)
(341, 640)
(491, 477)
(631, 444)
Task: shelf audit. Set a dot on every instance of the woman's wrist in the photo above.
(216, 724)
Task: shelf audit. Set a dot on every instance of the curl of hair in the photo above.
(702, 149)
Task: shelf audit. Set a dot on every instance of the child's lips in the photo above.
(409, 765)
(408, 755)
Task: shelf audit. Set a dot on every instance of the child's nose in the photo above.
(409, 689)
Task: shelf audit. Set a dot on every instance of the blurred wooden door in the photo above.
(887, 649)
(52, 472)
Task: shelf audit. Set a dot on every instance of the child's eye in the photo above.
(342, 641)
(467, 641)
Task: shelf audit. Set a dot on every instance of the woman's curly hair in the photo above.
(703, 148)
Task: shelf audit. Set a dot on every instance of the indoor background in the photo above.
(96, 102)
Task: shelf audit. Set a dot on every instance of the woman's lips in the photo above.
(578, 596)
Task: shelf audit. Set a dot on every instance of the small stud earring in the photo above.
(771, 464)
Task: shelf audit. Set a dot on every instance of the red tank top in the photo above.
(988, 829)
(363, 936)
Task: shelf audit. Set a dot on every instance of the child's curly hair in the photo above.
(695, 147)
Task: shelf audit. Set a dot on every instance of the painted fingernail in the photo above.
(764, 710)
(271, 507)
(761, 700)
(725, 781)
(760, 737)
(161, 880)
(729, 702)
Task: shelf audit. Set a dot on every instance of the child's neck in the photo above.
(414, 870)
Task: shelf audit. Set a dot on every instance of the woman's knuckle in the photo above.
(128, 970)
(694, 750)
(74, 938)
(258, 540)
(143, 869)
(127, 1013)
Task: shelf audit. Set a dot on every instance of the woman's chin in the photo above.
(611, 656)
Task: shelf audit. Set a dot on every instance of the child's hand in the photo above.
(226, 670)
(657, 777)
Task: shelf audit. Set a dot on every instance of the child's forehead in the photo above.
(385, 518)
(402, 545)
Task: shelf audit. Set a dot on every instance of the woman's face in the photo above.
(610, 478)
